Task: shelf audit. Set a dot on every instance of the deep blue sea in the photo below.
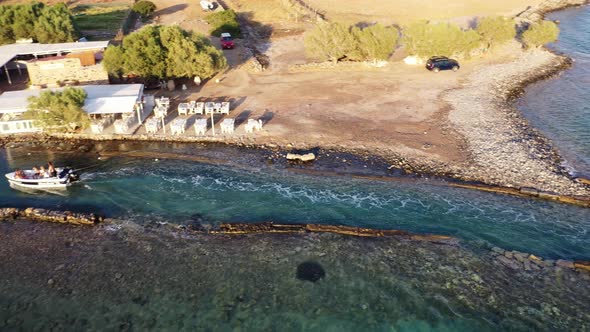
(560, 107)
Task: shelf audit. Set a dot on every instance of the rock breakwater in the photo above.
(36, 214)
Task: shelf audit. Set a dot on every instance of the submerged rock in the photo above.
(310, 271)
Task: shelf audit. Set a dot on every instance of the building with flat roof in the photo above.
(10, 54)
(125, 100)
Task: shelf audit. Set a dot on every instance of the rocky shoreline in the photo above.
(329, 162)
(505, 150)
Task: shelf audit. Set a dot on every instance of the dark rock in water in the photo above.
(310, 271)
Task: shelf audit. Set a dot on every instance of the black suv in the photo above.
(438, 63)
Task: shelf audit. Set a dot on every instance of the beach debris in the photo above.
(310, 271)
(413, 60)
(171, 85)
(302, 157)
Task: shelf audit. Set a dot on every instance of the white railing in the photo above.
(18, 126)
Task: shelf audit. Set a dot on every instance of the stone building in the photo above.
(73, 61)
(73, 69)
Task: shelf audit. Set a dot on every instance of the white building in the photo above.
(123, 99)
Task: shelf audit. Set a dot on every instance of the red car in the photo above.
(226, 40)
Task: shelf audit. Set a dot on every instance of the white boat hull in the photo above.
(50, 183)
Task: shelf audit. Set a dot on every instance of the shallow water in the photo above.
(124, 277)
(181, 192)
(560, 107)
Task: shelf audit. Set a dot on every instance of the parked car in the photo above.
(438, 63)
(226, 40)
(207, 5)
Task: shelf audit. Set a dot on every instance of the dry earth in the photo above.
(402, 11)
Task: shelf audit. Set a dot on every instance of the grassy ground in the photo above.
(106, 19)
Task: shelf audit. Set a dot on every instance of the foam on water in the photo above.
(177, 190)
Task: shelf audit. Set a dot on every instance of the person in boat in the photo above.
(51, 170)
(36, 173)
(18, 174)
(42, 172)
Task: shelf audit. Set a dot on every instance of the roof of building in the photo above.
(100, 99)
(9, 52)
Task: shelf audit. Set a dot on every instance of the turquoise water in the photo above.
(560, 107)
(183, 191)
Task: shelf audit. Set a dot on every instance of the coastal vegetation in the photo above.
(164, 52)
(224, 21)
(540, 33)
(496, 30)
(59, 111)
(42, 23)
(426, 39)
(144, 8)
(337, 41)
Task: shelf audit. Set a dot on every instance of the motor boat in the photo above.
(65, 177)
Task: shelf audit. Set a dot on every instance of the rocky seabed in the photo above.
(512, 259)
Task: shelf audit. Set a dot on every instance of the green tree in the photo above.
(375, 42)
(163, 52)
(59, 110)
(6, 22)
(45, 24)
(496, 30)
(113, 60)
(426, 39)
(330, 42)
(55, 25)
(144, 8)
(190, 55)
(224, 21)
(541, 33)
(144, 54)
(24, 19)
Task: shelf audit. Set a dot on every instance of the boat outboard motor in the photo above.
(70, 174)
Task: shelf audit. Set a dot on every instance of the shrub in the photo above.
(224, 21)
(425, 39)
(330, 42)
(59, 110)
(163, 52)
(375, 42)
(541, 33)
(144, 8)
(496, 30)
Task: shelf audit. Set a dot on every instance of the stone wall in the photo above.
(51, 72)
